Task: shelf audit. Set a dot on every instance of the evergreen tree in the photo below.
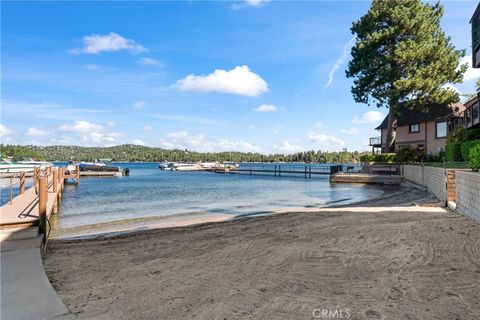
(403, 59)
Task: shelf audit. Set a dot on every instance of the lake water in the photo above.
(150, 192)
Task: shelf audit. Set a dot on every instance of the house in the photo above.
(475, 21)
(428, 129)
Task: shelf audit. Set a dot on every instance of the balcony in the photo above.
(375, 142)
(471, 116)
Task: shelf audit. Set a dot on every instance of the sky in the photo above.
(260, 76)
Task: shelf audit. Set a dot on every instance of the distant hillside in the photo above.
(132, 153)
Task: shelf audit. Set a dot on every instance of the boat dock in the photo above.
(306, 171)
(32, 207)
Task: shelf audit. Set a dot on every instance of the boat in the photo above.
(7, 166)
(101, 166)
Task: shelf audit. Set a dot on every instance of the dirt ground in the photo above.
(360, 262)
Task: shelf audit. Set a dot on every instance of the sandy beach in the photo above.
(399, 257)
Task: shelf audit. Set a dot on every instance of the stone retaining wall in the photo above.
(468, 194)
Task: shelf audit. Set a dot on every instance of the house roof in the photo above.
(433, 112)
(475, 13)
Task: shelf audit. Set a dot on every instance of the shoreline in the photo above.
(392, 196)
(382, 262)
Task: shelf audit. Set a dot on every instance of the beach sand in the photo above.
(381, 259)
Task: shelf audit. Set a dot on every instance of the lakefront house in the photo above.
(428, 129)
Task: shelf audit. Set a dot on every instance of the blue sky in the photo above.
(207, 76)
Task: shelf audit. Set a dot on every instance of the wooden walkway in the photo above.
(277, 170)
(37, 202)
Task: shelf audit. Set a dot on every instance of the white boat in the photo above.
(7, 166)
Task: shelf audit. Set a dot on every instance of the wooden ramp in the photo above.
(34, 206)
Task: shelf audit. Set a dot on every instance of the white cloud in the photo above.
(471, 72)
(287, 147)
(110, 123)
(369, 117)
(251, 127)
(34, 132)
(88, 133)
(256, 3)
(265, 108)
(4, 131)
(96, 43)
(318, 124)
(451, 87)
(249, 3)
(81, 126)
(178, 135)
(150, 62)
(351, 130)
(326, 141)
(239, 80)
(147, 128)
(340, 61)
(138, 142)
(198, 142)
(140, 104)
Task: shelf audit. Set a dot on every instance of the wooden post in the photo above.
(42, 203)
(55, 181)
(305, 172)
(77, 171)
(310, 172)
(11, 190)
(22, 182)
(279, 171)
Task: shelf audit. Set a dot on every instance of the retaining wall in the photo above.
(468, 194)
(462, 187)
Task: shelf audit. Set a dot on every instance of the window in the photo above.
(441, 130)
(414, 128)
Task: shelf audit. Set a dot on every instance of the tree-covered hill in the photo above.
(132, 153)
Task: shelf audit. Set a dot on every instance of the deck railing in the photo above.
(375, 141)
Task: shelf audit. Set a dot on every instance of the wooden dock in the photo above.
(283, 169)
(33, 207)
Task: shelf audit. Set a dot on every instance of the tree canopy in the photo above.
(132, 153)
(402, 55)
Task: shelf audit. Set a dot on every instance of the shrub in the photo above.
(472, 134)
(410, 154)
(458, 135)
(385, 157)
(474, 156)
(465, 148)
(366, 158)
(453, 152)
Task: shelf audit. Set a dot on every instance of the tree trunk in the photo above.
(391, 130)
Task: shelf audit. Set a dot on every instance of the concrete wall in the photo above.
(468, 194)
(434, 179)
(414, 174)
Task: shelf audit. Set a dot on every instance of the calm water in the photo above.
(150, 192)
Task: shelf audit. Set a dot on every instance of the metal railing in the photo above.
(375, 141)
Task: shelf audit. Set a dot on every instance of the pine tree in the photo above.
(403, 59)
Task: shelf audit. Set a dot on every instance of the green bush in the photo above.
(410, 154)
(474, 156)
(385, 157)
(472, 134)
(465, 148)
(382, 157)
(458, 135)
(453, 152)
(366, 158)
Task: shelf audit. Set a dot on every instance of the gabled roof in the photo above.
(476, 13)
(433, 112)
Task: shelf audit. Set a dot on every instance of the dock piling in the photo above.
(22, 182)
(42, 203)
